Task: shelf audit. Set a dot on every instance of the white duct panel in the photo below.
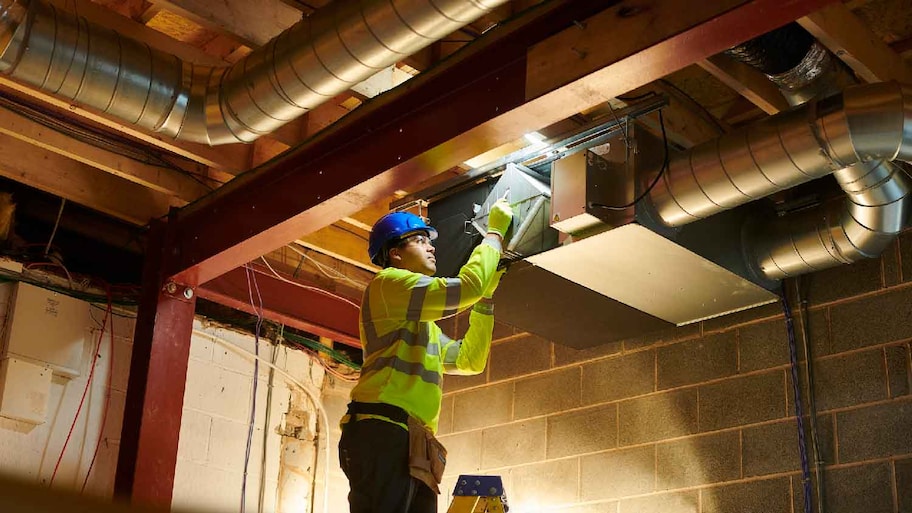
(639, 268)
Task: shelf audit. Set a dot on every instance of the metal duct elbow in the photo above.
(860, 226)
(310, 62)
(866, 122)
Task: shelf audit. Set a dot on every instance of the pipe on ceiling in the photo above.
(307, 64)
(876, 205)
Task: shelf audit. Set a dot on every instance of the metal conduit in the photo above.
(310, 62)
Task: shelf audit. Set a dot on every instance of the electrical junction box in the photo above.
(24, 390)
(46, 328)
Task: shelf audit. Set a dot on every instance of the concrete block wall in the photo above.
(31, 452)
(700, 419)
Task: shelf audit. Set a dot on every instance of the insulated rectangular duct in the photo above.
(626, 256)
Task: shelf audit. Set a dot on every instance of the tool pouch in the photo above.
(427, 456)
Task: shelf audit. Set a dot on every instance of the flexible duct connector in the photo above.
(307, 64)
(868, 122)
(860, 226)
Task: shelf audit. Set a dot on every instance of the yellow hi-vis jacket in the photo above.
(405, 353)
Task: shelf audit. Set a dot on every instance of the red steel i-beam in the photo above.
(289, 302)
(475, 101)
(155, 391)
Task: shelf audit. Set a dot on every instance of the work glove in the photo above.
(500, 218)
(492, 284)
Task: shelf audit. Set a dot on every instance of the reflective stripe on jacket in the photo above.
(405, 352)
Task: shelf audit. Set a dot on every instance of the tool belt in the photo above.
(427, 456)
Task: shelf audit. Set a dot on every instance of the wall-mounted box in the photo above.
(46, 328)
(24, 390)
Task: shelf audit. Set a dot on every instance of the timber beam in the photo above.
(556, 60)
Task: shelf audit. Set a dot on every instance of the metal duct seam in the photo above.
(310, 62)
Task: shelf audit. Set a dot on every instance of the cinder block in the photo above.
(763, 346)
(842, 282)
(593, 507)
(123, 351)
(203, 488)
(564, 355)
(874, 431)
(772, 448)
(743, 400)
(547, 393)
(869, 321)
(201, 348)
(513, 444)
(228, 441)
(455, 383)
(584, 431)
(666, 335)
(890, 260)
(502, 330)
(621, 377)
(867, 488)
(519, 356)
(657, 417)
(698, 460)
(114, 422)
(698, 360)
(905, 254)
(194, 436)
(483, 407)
(735, 319)
(463, 452)
(765, 496)
(903, 472)
(618, 473)
(678, 502)
(220, 392)
(545, 484)
(445, 422)
(850, 380)
(899, 369)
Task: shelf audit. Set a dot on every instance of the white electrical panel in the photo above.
(24, 390)
(46, 328)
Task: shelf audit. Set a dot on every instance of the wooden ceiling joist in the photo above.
(254, 23)
(749, 82)
(80, 183)
(160, 179)
(852, 41)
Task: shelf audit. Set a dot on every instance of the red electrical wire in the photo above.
(85, 391)
(104, 415)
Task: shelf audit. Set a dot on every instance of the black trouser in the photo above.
(374, 456)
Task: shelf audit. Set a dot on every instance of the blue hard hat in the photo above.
(393, 227)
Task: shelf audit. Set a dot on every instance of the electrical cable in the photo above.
(85, 392)
(107, 405)
(307, 287)
(654, 181)
(56, 224)
(340, 276)
(811, 395)
(251, 277)
(799, 408)
(311, 394)
(268, 414)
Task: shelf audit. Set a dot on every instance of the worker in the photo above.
(388, 450)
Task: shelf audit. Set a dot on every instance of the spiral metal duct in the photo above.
(867, 122)
(310, 62)
(860, 226)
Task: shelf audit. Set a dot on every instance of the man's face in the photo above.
(416, 254)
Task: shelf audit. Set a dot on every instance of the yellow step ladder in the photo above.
(479, 494)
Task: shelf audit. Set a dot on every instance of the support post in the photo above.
(158, 375)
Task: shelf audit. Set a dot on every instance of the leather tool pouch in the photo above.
(427, 456)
